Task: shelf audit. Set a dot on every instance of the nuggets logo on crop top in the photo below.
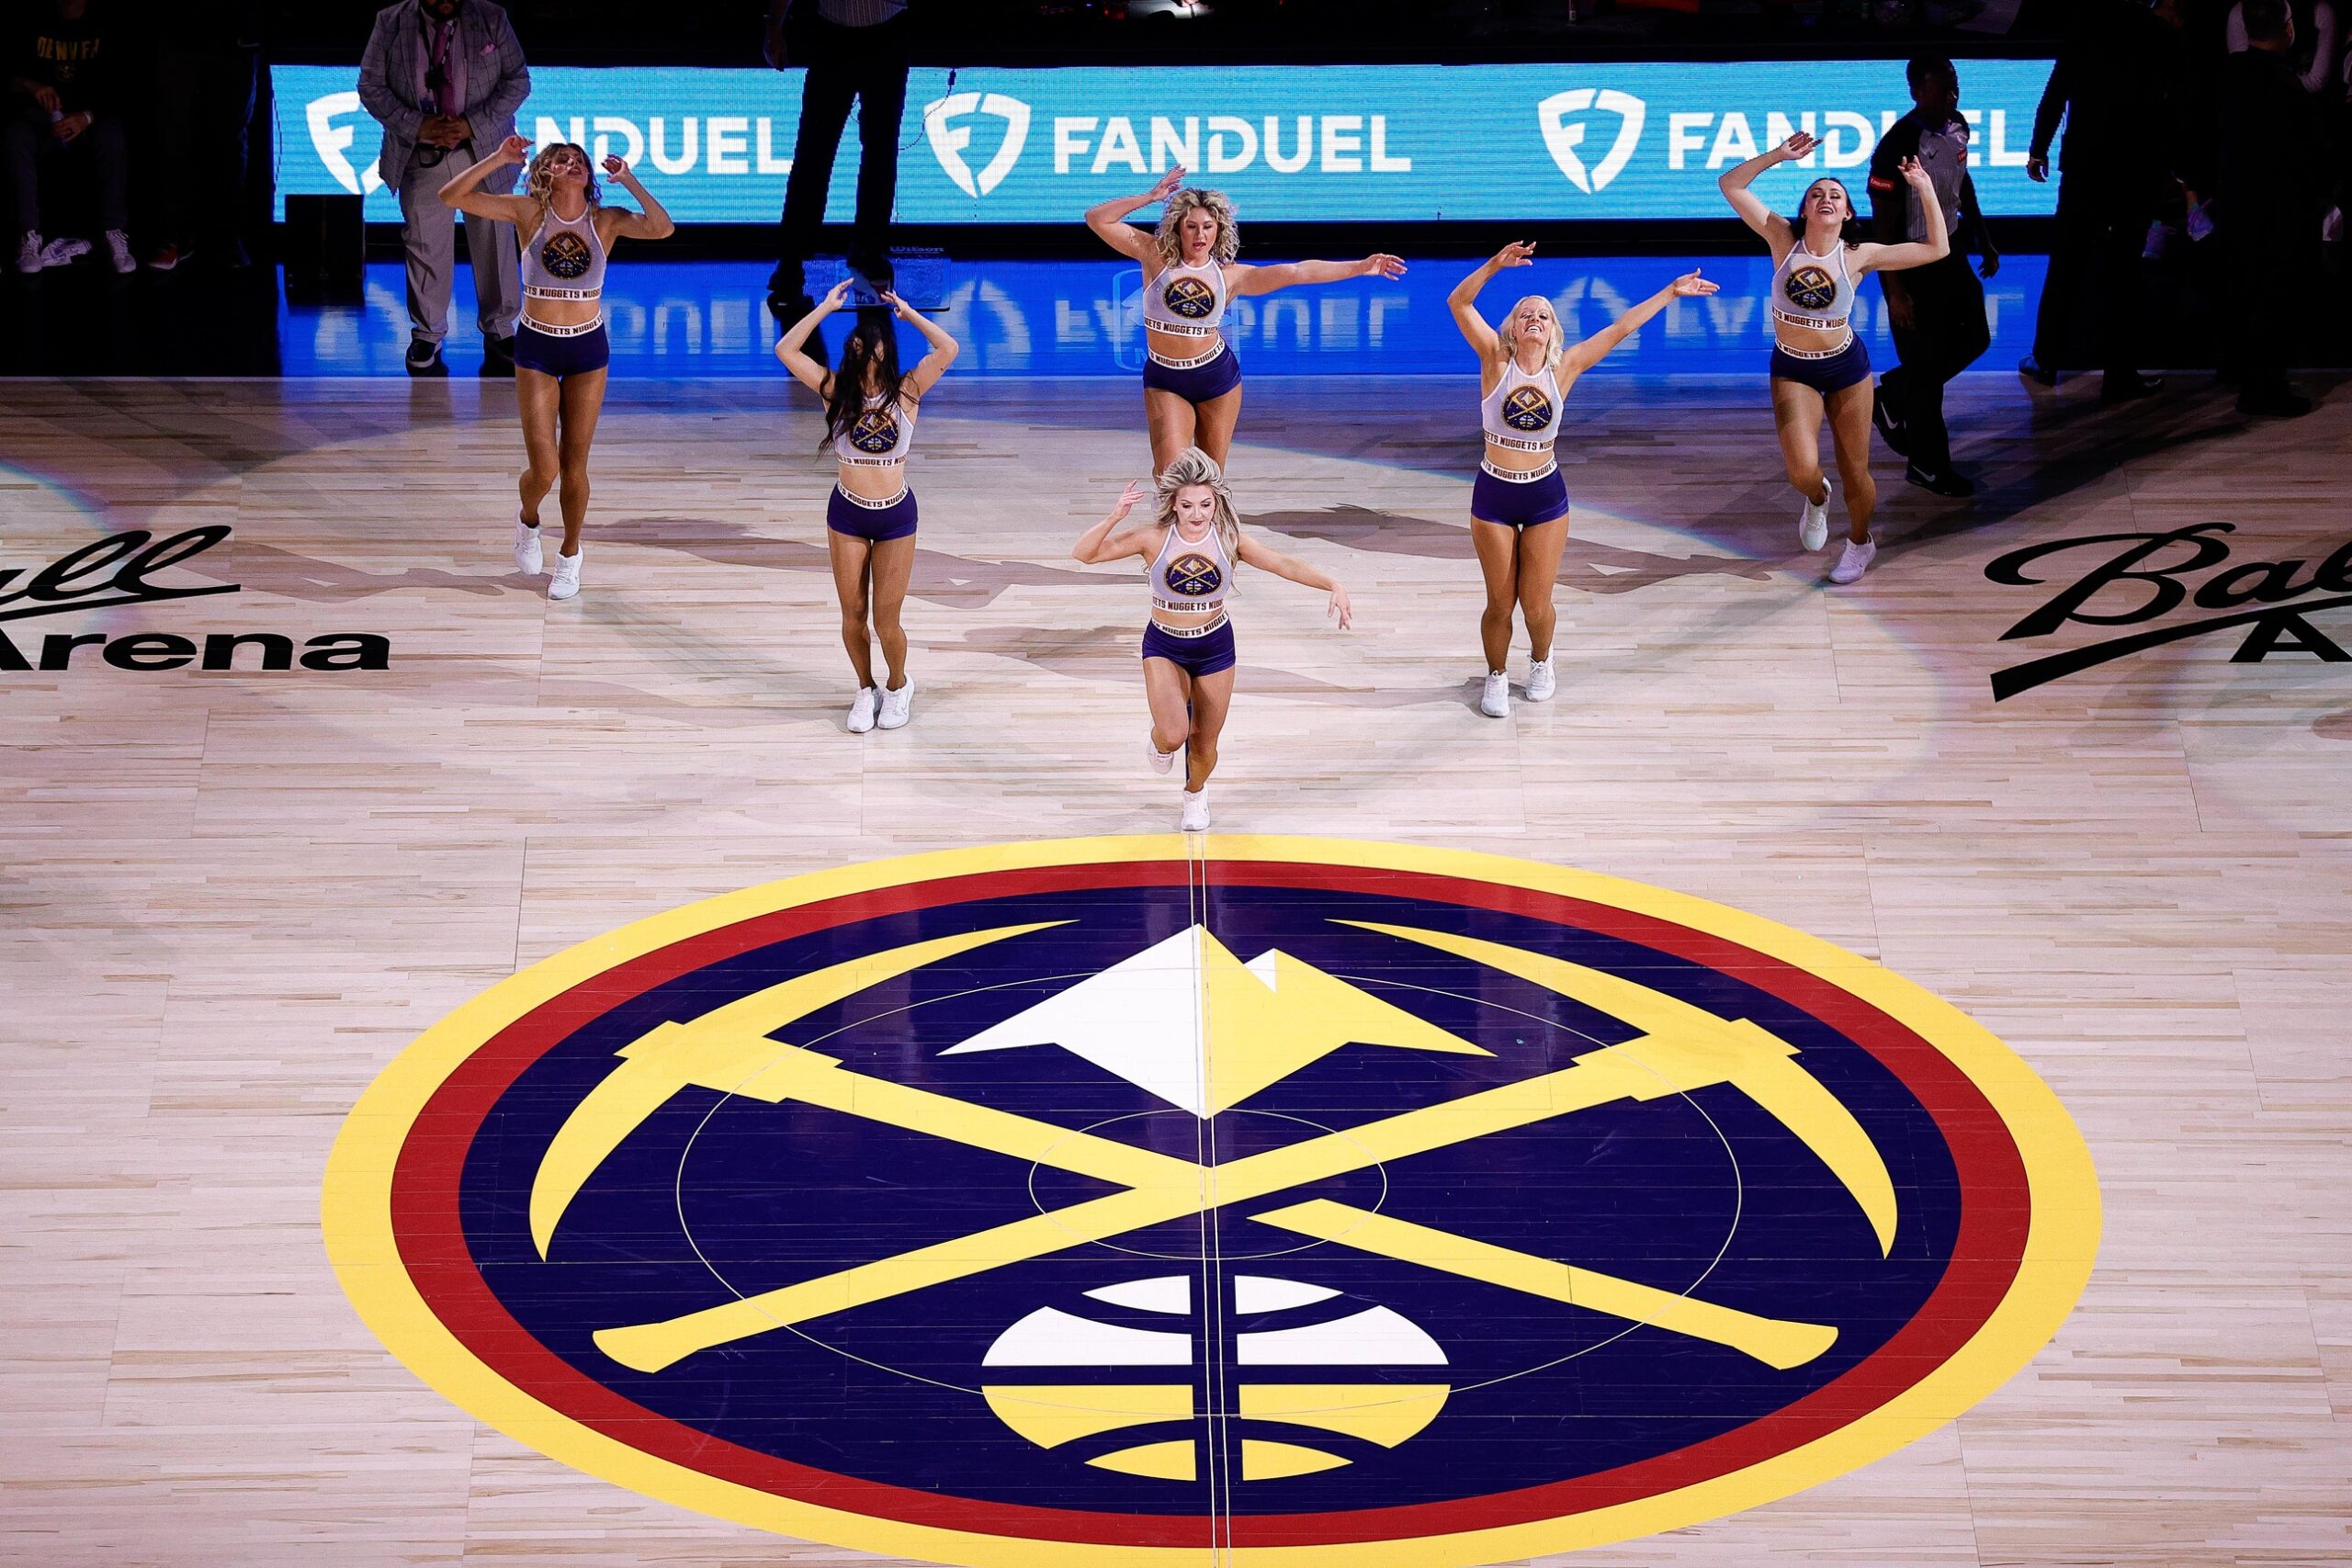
(1347, 1205)
(1190, 297)
(1195, 576)
(565, 255)
(1810, 287)
(1527, 409)
(875, 430)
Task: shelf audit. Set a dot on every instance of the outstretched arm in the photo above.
(805, 370)
(652, 222)
(1585, 354)
(944, 348)
(1296, 570)
(1464, 300)
(1733, 183)
(1109, 218)
(1096, 545)
(463, 190)
(1266, 279)
(1917, 253)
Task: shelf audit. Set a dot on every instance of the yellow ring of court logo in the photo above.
(1189, 298)
(1810, 287)
(1088, 1203)
(564, 255)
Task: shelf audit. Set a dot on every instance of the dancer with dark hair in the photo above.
(1519, 507)
(870, 408)
(560, 345)
(1192, 379)
(1190, 550)
(1819, 367)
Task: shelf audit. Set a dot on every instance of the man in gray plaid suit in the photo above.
(446, 77)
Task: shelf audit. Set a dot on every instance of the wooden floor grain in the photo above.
(230, 897)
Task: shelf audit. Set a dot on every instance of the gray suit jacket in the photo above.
(496, 81)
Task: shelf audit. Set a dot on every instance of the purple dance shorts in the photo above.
(1196, 383)
(846, 514)
(561, 357)
(1195, 656)
(1519, 503)
(1834, 374)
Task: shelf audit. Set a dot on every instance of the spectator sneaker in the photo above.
(1958, 486)
(425, 358)
(1495, 700)
(564, 581)
(1539, 684)
(119, 251)
(1193, 816)
(861, 711)
(1855, 560)
(1813, 524)
(498, 356)
(168, 258)
(29, 251)
(529, 559)
(1891, 430)
(1162, 762)
(897, 707)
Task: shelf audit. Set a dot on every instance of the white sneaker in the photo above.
(29, 251)
(564, 581)
(529, 559)
(861, 711)
(1855, 561)
(1162, 762)
(1495, 700)
(1540, 683)
(898, 705)
(119, 249)
(1812, 528)
(1194, 816)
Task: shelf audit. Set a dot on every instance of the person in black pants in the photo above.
(855, 50)
(1936, 311)
(2277, 165)
(2111, 85)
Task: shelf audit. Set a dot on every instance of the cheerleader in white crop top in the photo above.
(1819, 368)
(1519, 506)
(870, 412)
(1190, 552)
(560, 345)
(1192, 379)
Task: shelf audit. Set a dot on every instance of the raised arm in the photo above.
(1464, 300)
(1938, 244)
(1299, 571)
(651, 222)
(944, 347)
(805, 370)
(1097, 544)
(1733, 183)
(1109, 218)
(1266, 279)
(1584, 355)
(463, 190)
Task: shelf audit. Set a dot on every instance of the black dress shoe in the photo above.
(2115, 389)
(498, 357)
(1891, 430)
(424, 358)
(2033, 370)
(2278, 404)
(1955, 485)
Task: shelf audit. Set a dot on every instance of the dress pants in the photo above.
(1947, 333)
(867, 65)
(430, 232)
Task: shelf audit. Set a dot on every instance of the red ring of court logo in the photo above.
(1306, 1203)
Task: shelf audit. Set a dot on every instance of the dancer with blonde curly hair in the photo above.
(560, 347)
(1192, 379)
(1519, 507)
(1190, 550)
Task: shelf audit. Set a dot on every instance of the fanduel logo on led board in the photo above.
(1418, 144)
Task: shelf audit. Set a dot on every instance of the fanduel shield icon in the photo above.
(330, 138)
(949, 138)
(1564, 135)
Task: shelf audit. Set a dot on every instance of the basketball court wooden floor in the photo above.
(1651, 1126)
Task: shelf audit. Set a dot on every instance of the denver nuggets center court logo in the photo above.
(564, 255)
(1527, 409)
(1195, 575)
(1810, 287)
(1304, 1203)
(1189, 298)
(875, 430)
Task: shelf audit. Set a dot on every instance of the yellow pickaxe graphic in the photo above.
(1685, 1049)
